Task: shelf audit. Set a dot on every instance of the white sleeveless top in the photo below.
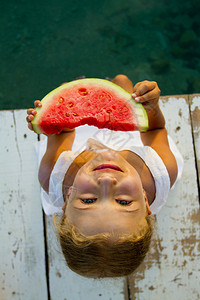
(94, 139)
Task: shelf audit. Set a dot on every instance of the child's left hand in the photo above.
(147, 93)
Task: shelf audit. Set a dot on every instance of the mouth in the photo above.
(108, 166)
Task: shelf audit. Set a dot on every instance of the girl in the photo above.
(105, 184)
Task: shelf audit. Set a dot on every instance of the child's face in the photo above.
(107, 200)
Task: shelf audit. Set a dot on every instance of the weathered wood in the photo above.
(172, 266)
(65, 284)
(195, 115)
(22, 260)
(171, 269)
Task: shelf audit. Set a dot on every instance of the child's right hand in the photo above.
(147, 93)
(31, 113)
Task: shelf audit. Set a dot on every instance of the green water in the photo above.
(46, 44)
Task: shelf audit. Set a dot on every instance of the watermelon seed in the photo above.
(67, 114)
(75, 114)
(70, 104)
(83, 91)
(61, 99)
(109, 111)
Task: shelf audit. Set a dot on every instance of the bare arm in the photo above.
(56, 144)
(148, 94)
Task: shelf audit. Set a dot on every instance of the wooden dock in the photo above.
(31, 264)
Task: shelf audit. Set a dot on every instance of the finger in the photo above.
(145, 87)
(141, 88)
(31, 111)
(150, 96)
(136, 86)
(29, 118)
(38, 103)
(30, 126)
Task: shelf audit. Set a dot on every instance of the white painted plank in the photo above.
(195, 114)
(22, 257)
(172, 268)
(65, 284)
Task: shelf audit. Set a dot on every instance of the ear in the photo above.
(67, 197)
(146, 202)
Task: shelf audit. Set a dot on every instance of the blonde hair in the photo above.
(105, 254)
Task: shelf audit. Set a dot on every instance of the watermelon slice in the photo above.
(91, 101)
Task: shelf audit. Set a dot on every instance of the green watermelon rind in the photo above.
(141, 115)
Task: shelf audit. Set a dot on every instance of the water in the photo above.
(44, 45)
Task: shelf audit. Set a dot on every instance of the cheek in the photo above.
(80, 176)
(82, 182)
(132, 185)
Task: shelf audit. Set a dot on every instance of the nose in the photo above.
(106, 183)
(107, 179)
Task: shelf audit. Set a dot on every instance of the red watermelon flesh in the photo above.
(96, 102)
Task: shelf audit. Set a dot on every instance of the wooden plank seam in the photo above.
(194, 145)
(46, 248)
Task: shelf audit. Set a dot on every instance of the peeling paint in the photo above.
(177, 277)
(177, 128)
(189, 244)
(195, 103)
(196, 119)
(194, 216)
(58, 274)
(189, 274)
